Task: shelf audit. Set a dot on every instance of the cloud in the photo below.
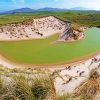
(18, 1)
(22, 1)
(14, 1)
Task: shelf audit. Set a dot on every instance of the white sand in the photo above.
(37, 29)
(77, 72)
(74, 72)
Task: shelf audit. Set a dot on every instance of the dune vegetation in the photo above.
(37, 84)
(26, 85)
(89, 89)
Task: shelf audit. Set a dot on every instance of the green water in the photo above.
(43, 52)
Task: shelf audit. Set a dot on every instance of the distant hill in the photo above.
(31, 10)
(42, 9)
(80, 8)
(49, 9)
(19, 10)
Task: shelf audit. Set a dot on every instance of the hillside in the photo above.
(40, 28)
(20, 10)
(86, 18)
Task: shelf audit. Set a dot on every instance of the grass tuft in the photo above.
(89, 89)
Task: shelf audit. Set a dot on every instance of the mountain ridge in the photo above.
(42, 9)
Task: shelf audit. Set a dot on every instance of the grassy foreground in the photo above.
(38, 84)
(26, 85)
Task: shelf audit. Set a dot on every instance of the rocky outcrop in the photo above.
(72, 34)
(38, 29)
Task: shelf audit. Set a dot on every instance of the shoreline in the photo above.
(7, 62)
(4, 60)
(41, 38)
(10, 64)
(78, 73)
(17, 40)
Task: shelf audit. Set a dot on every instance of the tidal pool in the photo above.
(43, 52)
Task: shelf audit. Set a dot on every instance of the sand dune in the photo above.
(39, 29)
(66, 77)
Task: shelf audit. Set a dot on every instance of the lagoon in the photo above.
(43, 52)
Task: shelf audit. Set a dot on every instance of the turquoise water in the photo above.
(42, 52)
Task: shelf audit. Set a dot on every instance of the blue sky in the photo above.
(35, 4)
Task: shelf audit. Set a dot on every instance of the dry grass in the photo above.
(1, 84)
(89, 89)
(39, 85)
(43, 88)
(76, 27)
(65, 97)
(21, 88)
(26, 85)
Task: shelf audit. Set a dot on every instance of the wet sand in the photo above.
(9, 63)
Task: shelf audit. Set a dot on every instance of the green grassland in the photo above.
(43, 51)
(87, 18)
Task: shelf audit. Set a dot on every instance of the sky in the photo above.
(6, 5)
